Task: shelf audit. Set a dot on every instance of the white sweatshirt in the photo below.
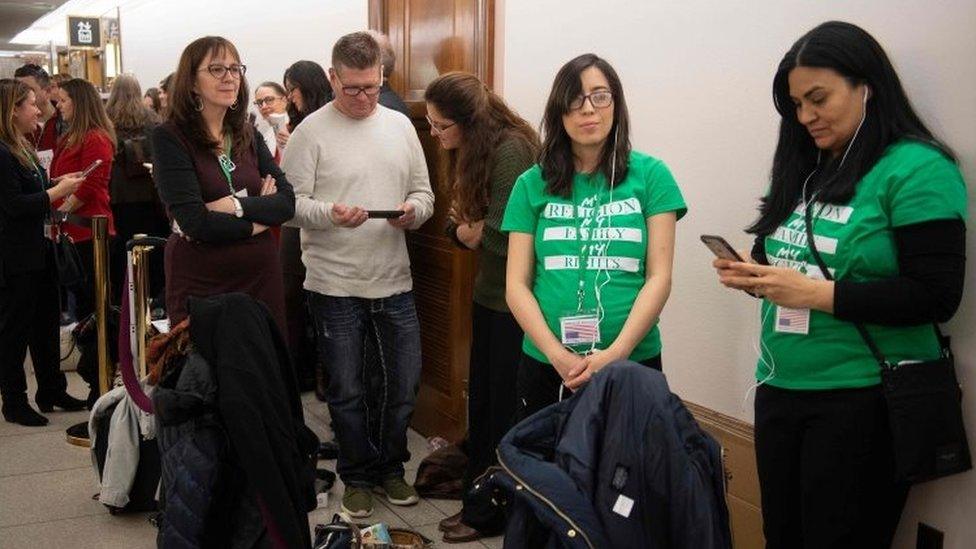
(375, 163)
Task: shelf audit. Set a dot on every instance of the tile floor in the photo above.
(46, 488)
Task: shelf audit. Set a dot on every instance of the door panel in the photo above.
(432, 37)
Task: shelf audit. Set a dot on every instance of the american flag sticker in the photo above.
(580, 329)
(792, 321)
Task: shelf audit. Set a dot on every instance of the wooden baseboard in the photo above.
(739, 455)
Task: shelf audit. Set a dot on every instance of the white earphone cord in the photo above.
(803, 199)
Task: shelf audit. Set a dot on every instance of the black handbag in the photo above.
(67, 260)
(924, 402)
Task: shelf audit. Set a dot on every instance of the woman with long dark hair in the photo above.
(29, 307)
(488, 146)
(307, 89)
(591, 241)
(220, 185)
(885, 202)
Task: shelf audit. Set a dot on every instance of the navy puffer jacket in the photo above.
(620, 464)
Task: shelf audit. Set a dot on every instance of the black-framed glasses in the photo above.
(219, 71)
(599, 99)
(437, 127)
(353, 91)
(267, 100)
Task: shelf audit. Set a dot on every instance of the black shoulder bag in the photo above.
(924, 403)
(66, 256)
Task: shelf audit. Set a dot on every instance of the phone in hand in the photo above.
(91, 168)
(384, 214)
(721, 247)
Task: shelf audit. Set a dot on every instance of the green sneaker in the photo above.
(357, 502)
(398, 492)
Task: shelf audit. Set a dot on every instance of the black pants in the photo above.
(495, 352)
(826, 469)
(131, 219)
(538, 384)
(29, 318)
(84, 306)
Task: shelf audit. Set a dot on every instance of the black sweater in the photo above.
(928, 288)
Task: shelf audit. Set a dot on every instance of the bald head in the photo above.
(386, 49)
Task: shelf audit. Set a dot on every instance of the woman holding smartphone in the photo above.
(29, 308)
(591, 240)
(886, 204)
(87, 146)
(489, 146)
(220, 185)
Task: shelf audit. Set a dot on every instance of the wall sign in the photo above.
(84, 32)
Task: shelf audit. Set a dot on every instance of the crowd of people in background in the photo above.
(303, 202)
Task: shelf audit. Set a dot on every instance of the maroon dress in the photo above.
(216, 253)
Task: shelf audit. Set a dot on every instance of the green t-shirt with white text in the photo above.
(612, 244)
(911, 183)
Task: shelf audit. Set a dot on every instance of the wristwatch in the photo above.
(238, 210)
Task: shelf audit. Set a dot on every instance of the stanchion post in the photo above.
(140, 275)
(102, 284)
(78, 434)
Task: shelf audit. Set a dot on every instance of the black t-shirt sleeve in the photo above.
(759, 250)
(273, 209)
(928, 288)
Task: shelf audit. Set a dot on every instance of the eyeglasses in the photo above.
(437, 128)
(353, 91)
(219, 71)
(267, 100)
(599, 99)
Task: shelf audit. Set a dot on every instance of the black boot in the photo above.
(64, 401)
(21, 413)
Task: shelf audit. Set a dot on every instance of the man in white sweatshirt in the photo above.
(344, 160)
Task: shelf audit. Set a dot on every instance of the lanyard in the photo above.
(38, 170)
(584, 249)
(226, 164)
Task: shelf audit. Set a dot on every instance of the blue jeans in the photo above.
(341, 323)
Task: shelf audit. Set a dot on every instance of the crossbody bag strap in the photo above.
(811, 243)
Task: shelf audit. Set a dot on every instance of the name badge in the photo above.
(45, 158)
(580, 329)
(241, 193)
(792, 321)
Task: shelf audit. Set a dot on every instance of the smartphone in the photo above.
(91, 168)
(384, 214)
(721, 248)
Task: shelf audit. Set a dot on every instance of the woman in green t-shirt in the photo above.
(887, 210)
(589, 263)
(488, 146)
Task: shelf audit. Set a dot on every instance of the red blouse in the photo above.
(93, 192)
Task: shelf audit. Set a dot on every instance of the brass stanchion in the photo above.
(78, 434)
(140, 275)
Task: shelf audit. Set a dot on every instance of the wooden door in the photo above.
(432, 37)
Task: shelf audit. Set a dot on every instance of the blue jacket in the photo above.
(620, 464)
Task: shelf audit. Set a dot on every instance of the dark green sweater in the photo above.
(511, 159)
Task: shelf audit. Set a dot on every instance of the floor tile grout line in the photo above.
(35, 523)
(15, 475)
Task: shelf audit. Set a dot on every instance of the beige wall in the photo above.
(270, 34)
(698, 76)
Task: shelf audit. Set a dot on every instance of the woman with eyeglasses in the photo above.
(488, 146)
(591, 240)
(29, 305)
(270, 100)
(307, 90)
(885, 202)
(220, 184)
